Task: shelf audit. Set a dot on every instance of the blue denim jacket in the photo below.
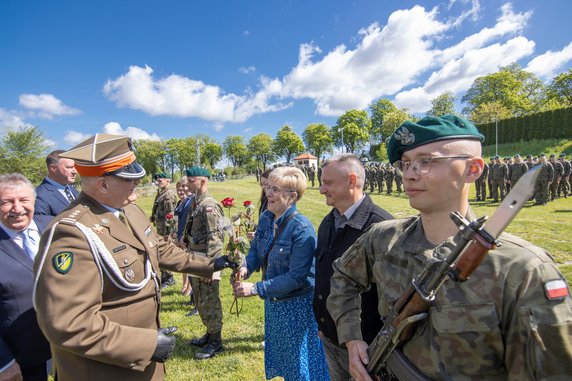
(290, 272)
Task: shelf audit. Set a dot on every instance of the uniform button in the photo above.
(320, 297)
(322, 320)
(125, 260)
(132, 365)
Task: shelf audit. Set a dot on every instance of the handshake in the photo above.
(223, 263)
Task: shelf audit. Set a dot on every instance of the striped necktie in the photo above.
(69, 194)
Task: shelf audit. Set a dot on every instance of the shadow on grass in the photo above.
(563, 211)
(240, 344)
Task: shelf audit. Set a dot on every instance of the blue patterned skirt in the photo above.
(292, 348)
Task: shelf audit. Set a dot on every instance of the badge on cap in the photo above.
(556, 289)
(402, 134)
(63, 261)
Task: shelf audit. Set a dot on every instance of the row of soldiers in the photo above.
(379, 174)
(500, 174)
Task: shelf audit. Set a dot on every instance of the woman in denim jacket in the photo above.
(292, 348)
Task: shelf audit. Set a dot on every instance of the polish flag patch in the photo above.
(556, 289)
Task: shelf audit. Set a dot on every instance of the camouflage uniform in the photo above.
(398, 182)
(558, 172)
(481, 184)
(311, 174)
(372, 177)
(389, 174)
(165, 203)
(517, 170)
(490, 178)
(541, 189)
(498, 325)
(205, 234)
(564, 187)
(380, 178)
(499, 172)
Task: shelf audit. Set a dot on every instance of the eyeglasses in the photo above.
(275, 189)
(422, 165)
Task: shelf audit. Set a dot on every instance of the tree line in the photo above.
(513, 98)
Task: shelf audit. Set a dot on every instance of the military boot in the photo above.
(213, 347)
(200, 342)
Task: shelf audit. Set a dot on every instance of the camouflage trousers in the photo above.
(398, 184)
(481, 190)
(389, 186)
(564, 187)
(498, 189)
(380, 185)
(207, 300)
(541, 192)
(554, 188)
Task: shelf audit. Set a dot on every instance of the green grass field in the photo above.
(546, 226)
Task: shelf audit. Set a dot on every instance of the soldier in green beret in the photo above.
(542, 189)
(204, 233)
(558, 172)
(564, 187)
(511, 320)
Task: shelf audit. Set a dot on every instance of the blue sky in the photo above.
(164, 69)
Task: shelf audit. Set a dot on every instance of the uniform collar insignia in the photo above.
(98, 229)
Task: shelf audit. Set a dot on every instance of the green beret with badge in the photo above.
(198, 172)
(428, 130)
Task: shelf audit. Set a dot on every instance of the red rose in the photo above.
(169, 216)
(246, 203)
(228, 202)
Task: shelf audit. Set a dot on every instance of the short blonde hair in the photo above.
(290, 178)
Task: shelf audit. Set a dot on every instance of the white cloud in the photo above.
(74, 137)
(134, 132)
(247, 129)
(46, 105)
(546, 65)
(179, 96)
(218, 126)
(11, 119)
(247, 70)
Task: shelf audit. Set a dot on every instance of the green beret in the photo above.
(428, 130)
(198, 171)
(562, 155)
(162, 175)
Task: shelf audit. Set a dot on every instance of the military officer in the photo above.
(164, 204)
(564, 187)
(481, 183)
(205, 234)
(499, 173)
(542, 188)
(517, 169)
(96, 290)
(511, 320)
(558, 172)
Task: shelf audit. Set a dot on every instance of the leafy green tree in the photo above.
(396, 118)
(150, 154)
(287, 143)
(260, 146)
(318, 139)
(355, 125)
(24, 151)
(211, 153)
(519, 91)
(235, 150)
(490, 112)
(379, 109)
(560, 88)
(443, 104)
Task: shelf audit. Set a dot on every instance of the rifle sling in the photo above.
(402, 369)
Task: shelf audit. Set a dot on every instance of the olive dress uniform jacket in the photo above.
(20, 336)
(500, 324)
(97, 329)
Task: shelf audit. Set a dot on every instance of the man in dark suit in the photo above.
(55, 193)
(23, 348)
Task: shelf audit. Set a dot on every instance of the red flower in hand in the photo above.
(169, 216)
(228, 202)
(246, 203)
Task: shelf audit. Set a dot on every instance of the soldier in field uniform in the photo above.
(518, 169)
(564, 187)
(204, 233)
(165, 202)
(481, 183)
(499, 173)
(511, 320)
(542, 188)
(558, 172)
(97, 292)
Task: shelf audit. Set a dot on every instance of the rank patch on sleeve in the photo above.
(208, 209)
(556, 289)
(63, 262)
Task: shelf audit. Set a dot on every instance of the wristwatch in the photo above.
(254, 290)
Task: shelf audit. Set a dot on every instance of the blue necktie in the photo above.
(69, 194)
(29, 244)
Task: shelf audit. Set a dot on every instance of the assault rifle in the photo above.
(475, 240)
